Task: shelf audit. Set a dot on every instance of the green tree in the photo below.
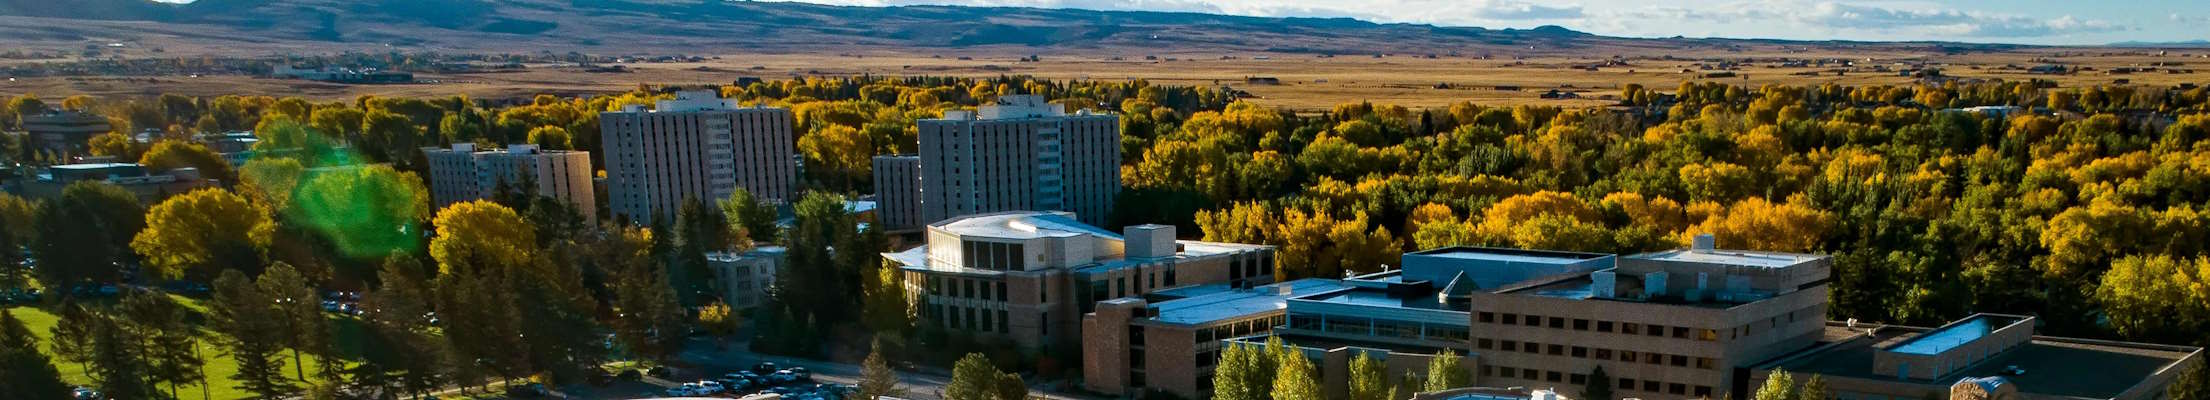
(240, 311)
(974, 378)
(1778, 386)
(103, 219)
(1599, 385)
(168, 343)
(270, 181)
(296, 311)
(18, 225)
(366, 211)
(1236, 377)
(1445, 372)
(25, 371)
(550, 138)
(170, 154)
(1295, 381)
(885, 309)
(877, 380)
(1369, 379)
(196, 233)
(750, 217)
(400, 353)
(1814, 388)
(109, 355)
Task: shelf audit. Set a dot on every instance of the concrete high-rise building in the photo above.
(898, 191)
(462, 173)
(1029, 276)
(695, 146)
(1018, 153)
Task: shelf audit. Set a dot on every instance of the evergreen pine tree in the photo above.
(1599, 385)
(24, 371)
(876, 378)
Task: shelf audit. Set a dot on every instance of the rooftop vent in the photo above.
(1704, 243)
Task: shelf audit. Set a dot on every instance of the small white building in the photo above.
(743, 278)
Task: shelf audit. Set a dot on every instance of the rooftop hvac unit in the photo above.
(1653, 284)
(1604, 284)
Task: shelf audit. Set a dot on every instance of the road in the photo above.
(918, 385)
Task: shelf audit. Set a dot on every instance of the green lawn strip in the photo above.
(219, 367)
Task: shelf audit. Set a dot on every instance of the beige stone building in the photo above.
(696, 146)
(1029, 276)
(463, 173)
(1016, 153)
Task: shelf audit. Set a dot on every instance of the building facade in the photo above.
(1029, 276)
(1018, 153)
(1983, 356)
(696, 146)
(1675, 324)
(743, 278)
(461, 173)
(150, 187)
(65, 134)
(898, 192)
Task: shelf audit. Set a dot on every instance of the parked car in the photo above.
(527, 391)
(687, 389)
(712, 387)
(763, 368)
(85, 393)
(802, 373)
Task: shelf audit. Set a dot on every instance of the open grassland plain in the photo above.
(1297, 81)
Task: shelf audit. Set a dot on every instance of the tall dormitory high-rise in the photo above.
(695, 146)
(1017, 153)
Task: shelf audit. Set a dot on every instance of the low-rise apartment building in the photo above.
(1029, 276)
(744, 278)
(1990, 352)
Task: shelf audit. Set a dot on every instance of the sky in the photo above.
(1980, 21)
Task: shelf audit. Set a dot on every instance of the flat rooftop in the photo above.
(1189, 249)
(1952, 335)
(1582, 287)
(2054, 366)
(1508, 255)
(1238, 303)
(1328, 343)
(1744, 258)
(1375, 297)
(1021, 225)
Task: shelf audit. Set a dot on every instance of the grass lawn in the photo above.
(218, 368)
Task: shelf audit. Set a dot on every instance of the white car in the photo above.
(710, 387)
(688, 389)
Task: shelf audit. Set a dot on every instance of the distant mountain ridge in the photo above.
(694, 25)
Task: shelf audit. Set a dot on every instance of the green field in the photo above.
(218, 368)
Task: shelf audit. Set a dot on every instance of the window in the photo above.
(1557, 323)
(1511, 319)
(1506, 371)
(1626, 383)
(1706, 363)
(1510, 345)
(1534, 320)
(1001, 291)
(1528, 374)
(1676, 389)
(1487, 317)
(1630, 328)
(1603, 354)
(1656, 330)
(1580, 324)
(1650, 386)
(1603, 326)
(1580, 352)
(1484, 344)
(1577, 379)
(1707, 335)
(1488, 370)
(1705, 392)
(1553, 377)
(1679, 360)
(1003, 324)
(1557, 349)
(1680, 332)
